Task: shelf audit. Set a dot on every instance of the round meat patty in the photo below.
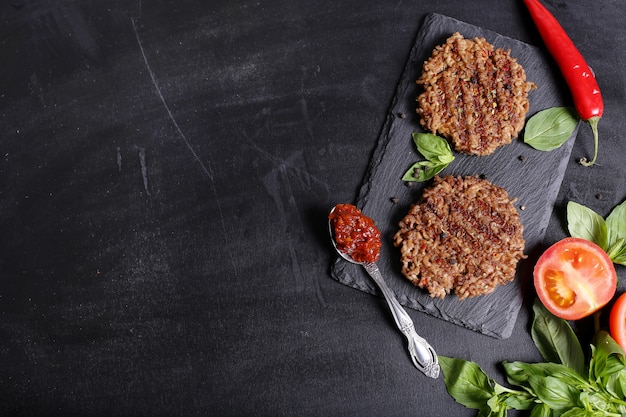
(463, 235)
(474, 94)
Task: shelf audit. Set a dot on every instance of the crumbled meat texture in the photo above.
(474, 94)
(464, 235)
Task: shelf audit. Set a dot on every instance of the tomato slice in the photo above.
(617, 321)
(574, 278)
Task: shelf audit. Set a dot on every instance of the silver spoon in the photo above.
(422, 353)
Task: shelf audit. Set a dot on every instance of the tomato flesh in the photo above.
(574, 278)
(617, 321)
(558, 290)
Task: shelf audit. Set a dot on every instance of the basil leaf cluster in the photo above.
(438, 156)
(565, 385)
(609, 233)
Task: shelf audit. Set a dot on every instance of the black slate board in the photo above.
(534, 180)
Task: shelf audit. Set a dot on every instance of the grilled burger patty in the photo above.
(463, 235)
(474, 94)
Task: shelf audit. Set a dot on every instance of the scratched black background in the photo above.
(165, 172)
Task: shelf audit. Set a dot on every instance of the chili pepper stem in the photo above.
(593, 122)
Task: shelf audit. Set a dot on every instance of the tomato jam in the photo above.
(356, 235)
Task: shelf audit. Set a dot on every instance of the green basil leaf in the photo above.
(444, 159)
(617, 249)
(612, 364)
(597, 401)
(484, 412)
(557, 394)
(550, 128)
(438, 156)
(617, 252)
(620, 259)
(541, 410)
(433, 148)
(616, 224)
(423, 171)
(607, 358)
(497, 408)
(518, 373)
(605, 343)
(585, 223)
(580, 412)
(555, 339)
(616, 384)
(466, 382)
(511, 398)
(519, 400)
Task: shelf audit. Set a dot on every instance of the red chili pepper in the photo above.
(578, 75)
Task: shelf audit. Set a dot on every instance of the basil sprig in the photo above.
(563, 386)
(550, 128)
(438, 156)
(556, 341)
(609, 233)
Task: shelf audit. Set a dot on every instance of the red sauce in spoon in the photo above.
(356, 235)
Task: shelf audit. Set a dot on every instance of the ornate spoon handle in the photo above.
(422, 353)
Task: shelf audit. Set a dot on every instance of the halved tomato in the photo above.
(617, 321)
(574, 278)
